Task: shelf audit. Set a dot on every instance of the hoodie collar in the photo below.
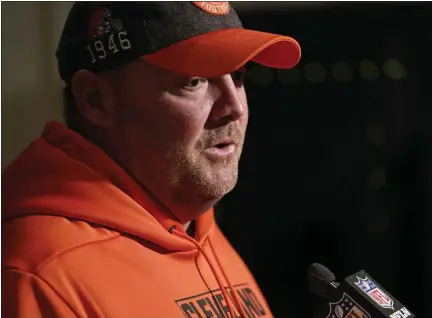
(62, 170)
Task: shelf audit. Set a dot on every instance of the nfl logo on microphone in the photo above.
(346, 307)
(372, 290)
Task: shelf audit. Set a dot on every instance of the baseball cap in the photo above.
(203, 39)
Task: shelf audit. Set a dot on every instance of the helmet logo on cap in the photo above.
(101, 23)
(217, 8)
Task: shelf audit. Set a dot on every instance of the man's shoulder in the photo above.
(29, 242)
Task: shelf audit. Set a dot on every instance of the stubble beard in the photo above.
(198, 180)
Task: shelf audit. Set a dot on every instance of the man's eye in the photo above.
(195, 82)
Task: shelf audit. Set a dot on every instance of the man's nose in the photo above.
(230, 102)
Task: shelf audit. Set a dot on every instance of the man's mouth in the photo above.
(221, 150)
(223, 145)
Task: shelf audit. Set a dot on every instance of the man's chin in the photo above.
(199, 197)
(218, 188)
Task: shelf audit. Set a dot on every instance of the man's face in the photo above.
(180, 137)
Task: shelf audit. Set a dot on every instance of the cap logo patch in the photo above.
(213, 7)
(107, 36)
(102, 23)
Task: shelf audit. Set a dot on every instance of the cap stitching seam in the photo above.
(148, 35)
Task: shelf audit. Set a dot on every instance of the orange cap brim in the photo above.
(224, 51)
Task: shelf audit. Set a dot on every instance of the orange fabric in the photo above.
(213, 7)
(224, 51)
(80, 238)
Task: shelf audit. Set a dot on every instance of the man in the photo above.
(112, 215)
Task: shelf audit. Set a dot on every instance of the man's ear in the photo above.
(94, 98)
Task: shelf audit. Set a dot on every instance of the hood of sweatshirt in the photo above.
(63, 174)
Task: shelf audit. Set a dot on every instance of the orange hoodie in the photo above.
(80, 238)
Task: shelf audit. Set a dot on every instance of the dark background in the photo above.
(337, 164)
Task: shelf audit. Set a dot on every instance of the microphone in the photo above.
(322, 282)
(357, 296)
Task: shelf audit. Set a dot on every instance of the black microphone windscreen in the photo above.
(322, 281)
(317, 270)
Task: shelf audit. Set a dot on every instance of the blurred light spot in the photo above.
(369, 70)
(380, 222)
(289, 77)
(394, 69)
(260, 75)
(377, 178)
(314, 72)
(342, 71)
(375, 135)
